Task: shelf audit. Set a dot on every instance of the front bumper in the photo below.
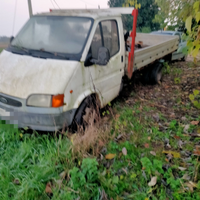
(44, 119)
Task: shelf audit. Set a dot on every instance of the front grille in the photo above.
(11, 102)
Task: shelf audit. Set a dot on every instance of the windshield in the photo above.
(58, 34)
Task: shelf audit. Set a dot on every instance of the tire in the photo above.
(87, 107)
(156, 73)
(183, 58)
(168, 58)
(146, 75)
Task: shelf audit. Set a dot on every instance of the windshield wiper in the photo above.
(53, 53)
(21, 48)
(41, 51)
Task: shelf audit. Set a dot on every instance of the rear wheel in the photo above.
(183, 58)
(156, 73)
(153, 74)
(146, 76)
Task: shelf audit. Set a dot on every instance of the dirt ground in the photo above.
(171, 96)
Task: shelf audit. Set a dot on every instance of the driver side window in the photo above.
(106, 35)
(96, 43)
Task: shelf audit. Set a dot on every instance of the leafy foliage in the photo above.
(195, 98)
(147, 11)
(193, 27)
(181, 14)
(170, 13)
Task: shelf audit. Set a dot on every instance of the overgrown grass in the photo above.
(1, 49)
(29, 161)
(46, 166)
(145, 158)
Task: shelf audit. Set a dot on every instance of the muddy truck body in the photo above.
(61, 58)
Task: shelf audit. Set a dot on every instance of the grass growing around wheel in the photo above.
(145, 147)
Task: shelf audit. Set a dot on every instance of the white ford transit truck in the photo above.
(61, 58)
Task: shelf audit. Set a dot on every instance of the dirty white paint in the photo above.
(158, 47)
(21, 75)
(94, 13)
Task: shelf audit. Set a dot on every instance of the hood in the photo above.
(22, 75)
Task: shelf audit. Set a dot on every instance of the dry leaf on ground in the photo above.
(182, 168)
(185, 130)
(191, 185)
(153, 181)
(196, 153)
(177, 137)
(124, 151)
(167, 145)
(124, 170)
(63, 174)
(186, 177)
(120, 136)
(180, 143)
(194, 122)
(110, 156)
(174, 153)
(153, 153)
(48, 188)
(169, 157)
(146, 145)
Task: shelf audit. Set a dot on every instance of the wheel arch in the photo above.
(87, 94)
(95, 99)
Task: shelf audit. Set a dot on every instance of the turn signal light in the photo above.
(58, 100)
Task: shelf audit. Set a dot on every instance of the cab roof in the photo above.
(93, 13)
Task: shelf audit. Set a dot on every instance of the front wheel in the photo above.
(87, 114)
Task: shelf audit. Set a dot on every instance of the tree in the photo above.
(192, 22)
(169, 12)
(182, 13)
(148, 10)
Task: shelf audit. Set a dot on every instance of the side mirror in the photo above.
(103, 57)
(11, 39)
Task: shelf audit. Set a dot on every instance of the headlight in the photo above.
(45, 100)
(39, 100)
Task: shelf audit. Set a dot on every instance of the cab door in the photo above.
(107, 79)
